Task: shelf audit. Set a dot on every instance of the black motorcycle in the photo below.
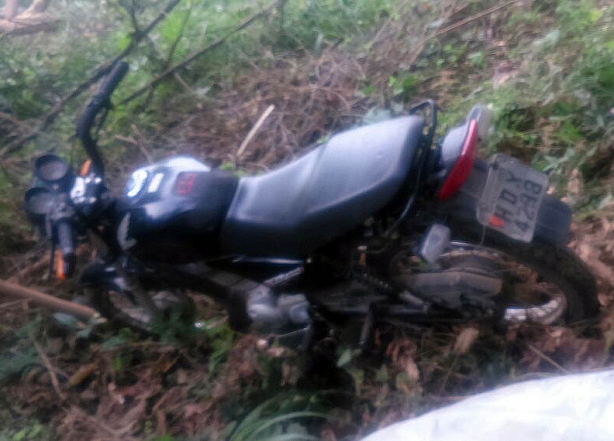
(380, 222)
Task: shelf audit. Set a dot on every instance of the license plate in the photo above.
(511, 198)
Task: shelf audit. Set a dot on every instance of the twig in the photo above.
(199, 53)
(447, 375)
(140, 145)
(544, 357)
(427, 36)
(27, 127)
(385, 26)
(255, 129)
(40, 264)
(132, 14)
(474, 17)
(24, 27)
(10, 118)
(155, 53)
(51, 370)
(175, 43)
(99, 72)
(10, 304)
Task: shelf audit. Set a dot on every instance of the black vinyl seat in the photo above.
(305, 204)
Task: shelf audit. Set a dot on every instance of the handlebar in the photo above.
(109, 84)
(99, 101)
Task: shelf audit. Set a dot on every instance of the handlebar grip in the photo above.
(109, 84)
(66, 247)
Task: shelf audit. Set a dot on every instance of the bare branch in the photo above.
(254, 130)
(30, 21)
(198, 54)
(19, 26)
(51, 370)
(99, 72)
(37, 7)
(175, 43)
(48, 301)
(475, 17)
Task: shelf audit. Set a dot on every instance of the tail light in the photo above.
(463, 165)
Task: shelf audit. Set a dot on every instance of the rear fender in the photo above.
(554, 218)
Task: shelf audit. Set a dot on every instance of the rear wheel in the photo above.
(542, 283)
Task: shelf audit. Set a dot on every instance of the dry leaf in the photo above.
(591, 255)
(327, 434)
(192, 409)
(276, 352)
(289, 374)
(465, 340)
(411, 369)
(182, 376)
(574, 184)
(82, 373)
(503, 72)
(161, 426)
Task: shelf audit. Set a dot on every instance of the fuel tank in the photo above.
(172, 211)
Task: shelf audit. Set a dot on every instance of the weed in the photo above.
(279, 418)
(34, 431)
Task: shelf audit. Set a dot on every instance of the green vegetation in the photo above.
(546, 70)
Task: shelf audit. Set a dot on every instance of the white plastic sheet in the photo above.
(570, 408)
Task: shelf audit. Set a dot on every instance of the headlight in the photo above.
(136, 183)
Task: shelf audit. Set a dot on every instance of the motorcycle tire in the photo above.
(553, 264)
(121, 309)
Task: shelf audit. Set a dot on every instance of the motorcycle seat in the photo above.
(305, 204)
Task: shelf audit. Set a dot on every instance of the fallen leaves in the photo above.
(401, 353)
(559, 348)
(594, 243)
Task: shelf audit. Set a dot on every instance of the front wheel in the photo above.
(169, 307)
(541, 283)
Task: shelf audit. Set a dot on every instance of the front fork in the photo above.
(134, 287)
(120, 275)
(252, 307)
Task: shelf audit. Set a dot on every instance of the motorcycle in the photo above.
(381, 222)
